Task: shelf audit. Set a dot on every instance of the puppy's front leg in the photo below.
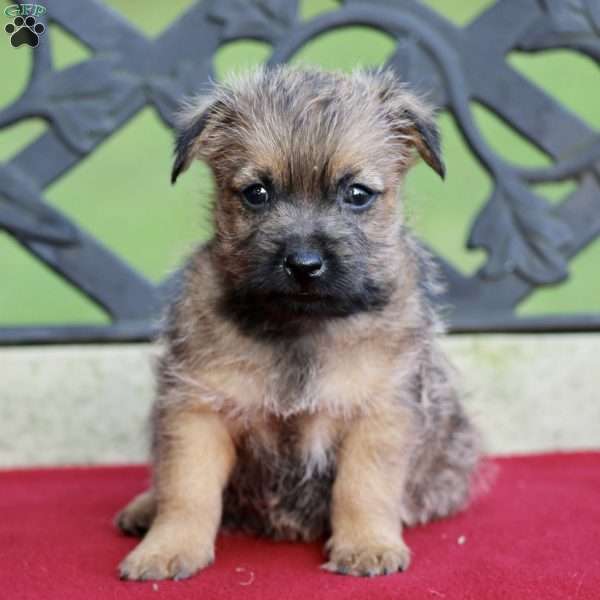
(195, 457)
(367, 494)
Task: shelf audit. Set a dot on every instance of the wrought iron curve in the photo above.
(528, 242)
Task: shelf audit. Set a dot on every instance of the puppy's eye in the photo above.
(255, 195)
(358, 197)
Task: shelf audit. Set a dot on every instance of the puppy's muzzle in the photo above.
(304, 265)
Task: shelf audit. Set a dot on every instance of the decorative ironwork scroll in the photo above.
(528, 241)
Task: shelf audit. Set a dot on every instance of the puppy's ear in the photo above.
(411, 119)
(425, 137)
(192, 129)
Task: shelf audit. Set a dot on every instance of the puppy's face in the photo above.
(307, 166)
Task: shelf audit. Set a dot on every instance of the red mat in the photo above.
(535, 535)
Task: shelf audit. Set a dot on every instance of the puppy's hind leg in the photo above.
(136, 518)
(446, 460)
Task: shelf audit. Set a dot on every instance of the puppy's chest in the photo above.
(281, 485)
(332, 380)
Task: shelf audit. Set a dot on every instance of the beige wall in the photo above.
(88, 404)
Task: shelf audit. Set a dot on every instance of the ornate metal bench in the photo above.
(529, 242)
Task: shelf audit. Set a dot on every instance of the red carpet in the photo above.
(535, 535)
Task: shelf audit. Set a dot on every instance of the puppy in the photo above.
(302, 392)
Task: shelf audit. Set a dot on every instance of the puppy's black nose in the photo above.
(304, 264)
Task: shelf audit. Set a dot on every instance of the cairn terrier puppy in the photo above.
(302, 391)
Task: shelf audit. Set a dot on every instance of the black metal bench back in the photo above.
(529, 242)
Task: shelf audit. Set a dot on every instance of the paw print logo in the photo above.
(24, 31)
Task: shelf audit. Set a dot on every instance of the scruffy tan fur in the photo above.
(292, 418)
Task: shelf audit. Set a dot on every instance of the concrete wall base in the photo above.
(89, 404)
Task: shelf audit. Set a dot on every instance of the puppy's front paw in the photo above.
(367, 559)
(166, 557)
